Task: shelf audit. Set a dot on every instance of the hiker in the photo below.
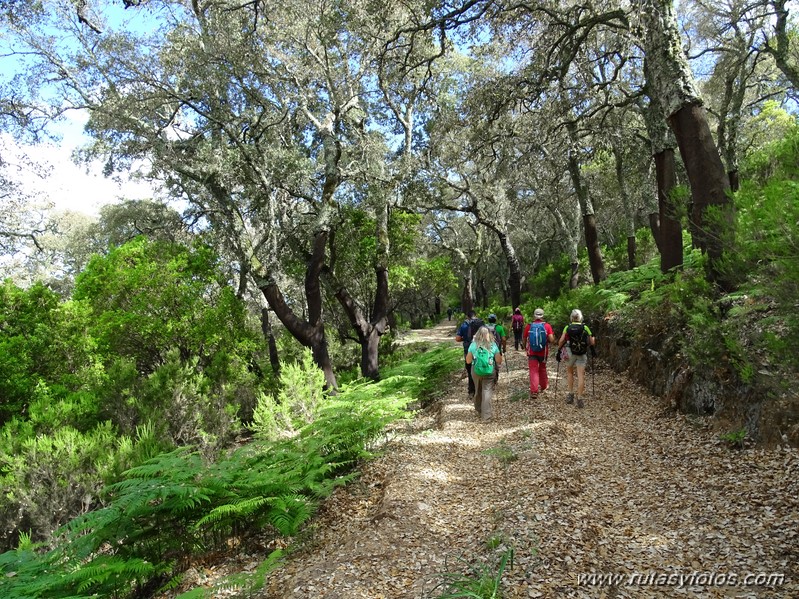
(464, 335)
(485, 358)
(449, 313)
(517, 324)
(500, 336)
(537, 337)
(575, 341)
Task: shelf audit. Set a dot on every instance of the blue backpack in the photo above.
(537, 340)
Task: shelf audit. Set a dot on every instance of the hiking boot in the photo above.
(580, 402)
(570, 398)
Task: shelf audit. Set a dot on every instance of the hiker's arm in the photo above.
(458, 338)
(562, 341)
(498, 358)
(469, 357)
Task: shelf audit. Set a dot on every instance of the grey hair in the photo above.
(577, 316)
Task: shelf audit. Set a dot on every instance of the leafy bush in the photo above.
(298, 403)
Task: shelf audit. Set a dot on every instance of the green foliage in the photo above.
(177, 504)
(776, 157)
(149, 298)
(735, 439)
(298, 403)
(503, 453)
(152, 352)
(616, 258)
(50, 477)
(27, 322)
(551, 279)
(475, 581)
(416, 285)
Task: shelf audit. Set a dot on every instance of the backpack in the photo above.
(578, 338)
(517, 322)
(493, 329)
(474, 325)
(537, 340)
(483, 362)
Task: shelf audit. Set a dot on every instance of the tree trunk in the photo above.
(467, 295)
(654, 226)
(482, 292)
(595, 260)
(709, 187)
(266, 328)
(784, 55)
(735, 183)
(574, 279)
(669, 79)
(571, 245)
(514, 268)
(309, 335)
(438, 306)
(369, 330)
(629, 209)
(631, 252)
(670, 227)
(368, 334)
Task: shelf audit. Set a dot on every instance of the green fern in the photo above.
(176, 503)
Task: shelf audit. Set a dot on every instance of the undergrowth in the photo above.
(177, 506)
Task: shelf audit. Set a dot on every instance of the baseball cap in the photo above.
(539, 313)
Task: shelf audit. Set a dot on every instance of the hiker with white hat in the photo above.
(536, 339)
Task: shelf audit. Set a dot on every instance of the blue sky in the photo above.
(70, 186)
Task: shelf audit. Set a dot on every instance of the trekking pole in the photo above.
(557, 370)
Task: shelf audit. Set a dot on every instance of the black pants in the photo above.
(471, 380)
(517, 338)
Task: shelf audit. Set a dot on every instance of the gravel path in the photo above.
(649, 501)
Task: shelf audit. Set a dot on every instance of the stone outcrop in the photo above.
(767, 407)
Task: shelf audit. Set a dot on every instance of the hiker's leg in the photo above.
(532, 365)
(478, 395)
(471, 378)
(580, 380)
(488, 390)
(543, 379)
(570, 378)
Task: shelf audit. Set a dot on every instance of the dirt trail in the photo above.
(624, 487)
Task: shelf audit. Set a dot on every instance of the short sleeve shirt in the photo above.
(545, 352)
(473, 348)
(566, 328)
(463, 332)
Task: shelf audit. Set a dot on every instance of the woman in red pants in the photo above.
(537, 337)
